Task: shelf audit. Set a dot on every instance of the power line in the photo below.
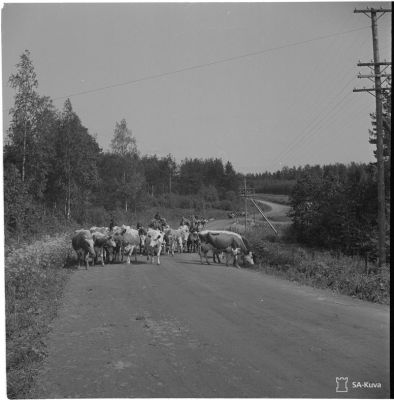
(315, 120)
(306, 131)
(208, 64)
(198, 66)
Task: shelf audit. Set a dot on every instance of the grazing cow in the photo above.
(131, 239)
(102, 244)
(222, 240)
(192, 242)
(153, 244)
(83, 245)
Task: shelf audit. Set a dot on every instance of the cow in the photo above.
(118, 249)
(131, 239)
(101, 229)
(223, 240)
(174, 239)
(184, 229)
(153, 244)
(82, 243)
(142, 233)
(102, 243)
(193, 242)
(108, 249)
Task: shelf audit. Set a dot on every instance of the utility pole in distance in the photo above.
(245, 192)
(377, 91)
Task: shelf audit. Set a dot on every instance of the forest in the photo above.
(55, 174)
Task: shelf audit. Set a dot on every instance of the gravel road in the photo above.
(183, 329)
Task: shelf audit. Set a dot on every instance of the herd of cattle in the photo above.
(112, 245)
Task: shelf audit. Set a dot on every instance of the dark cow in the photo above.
(230, 242)
(118, 249)
(103, 245)
(142, 232)
(193, 242)
(83, 245)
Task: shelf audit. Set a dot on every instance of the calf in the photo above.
(206, 247)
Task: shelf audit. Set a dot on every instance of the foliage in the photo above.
(335, 207)
(34, 279)
(123, 142)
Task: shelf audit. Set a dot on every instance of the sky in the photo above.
(262, 85)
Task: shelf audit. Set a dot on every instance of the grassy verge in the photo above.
(34, 282)
(322, 269)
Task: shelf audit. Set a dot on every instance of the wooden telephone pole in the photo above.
(377, 92)
(245, 192)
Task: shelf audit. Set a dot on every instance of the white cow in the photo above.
(131, 239)
(184, 229)
(153, 244)
(174, 239)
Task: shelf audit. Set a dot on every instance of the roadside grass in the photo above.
(322, 269)
(34, 282)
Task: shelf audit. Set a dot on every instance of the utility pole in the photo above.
(377, 91)
(245, 192)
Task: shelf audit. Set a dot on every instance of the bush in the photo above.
(34, 279)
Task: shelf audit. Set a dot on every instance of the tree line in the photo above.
(336, 206)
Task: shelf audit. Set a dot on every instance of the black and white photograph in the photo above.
(195, 200)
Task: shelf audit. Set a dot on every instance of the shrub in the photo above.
(34, 279)
(340, 273)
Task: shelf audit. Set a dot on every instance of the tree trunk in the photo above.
(24, 154)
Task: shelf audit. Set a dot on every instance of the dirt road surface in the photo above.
(182, 329)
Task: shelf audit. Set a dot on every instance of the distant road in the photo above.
(182, 329)
(278, 212)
